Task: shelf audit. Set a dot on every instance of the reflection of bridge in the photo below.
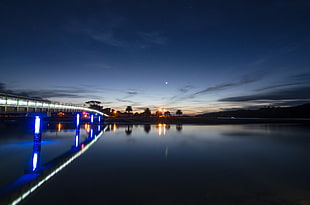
(19, 104)
(38, 174)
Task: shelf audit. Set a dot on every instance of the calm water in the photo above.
(172, 164)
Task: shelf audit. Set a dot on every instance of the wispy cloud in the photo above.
(74, 92)
(296, 93)
(294, 80)
(132, 93)
(185, 95)
(243, 81)
(103, 29)
(153, 37)
(293, 90)
(186, 88)
(111, 31)
(107, 37)
(277, 52)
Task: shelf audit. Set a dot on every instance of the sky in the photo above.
(195, 55)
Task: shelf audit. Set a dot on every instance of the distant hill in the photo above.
(301, 111)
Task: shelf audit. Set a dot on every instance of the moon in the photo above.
(166, 83)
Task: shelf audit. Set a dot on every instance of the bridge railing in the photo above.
(9, 100)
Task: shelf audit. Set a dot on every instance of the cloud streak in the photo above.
(243, 81)
(48, 93)
(153, 37)
(297, 93)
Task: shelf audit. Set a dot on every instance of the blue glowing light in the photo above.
(77, 119)
(91, 133)
(76, 140)
(37, 125)
(92, 118)
(99, 128)
(99, 118)
(34, 161)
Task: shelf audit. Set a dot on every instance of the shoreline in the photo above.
(203, 120)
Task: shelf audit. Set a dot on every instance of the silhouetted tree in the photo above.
(158, 113)
(129, 109)
(167, 114)
(147, 112)
(93, 104)
(179, 112)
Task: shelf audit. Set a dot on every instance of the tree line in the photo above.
(93, 104)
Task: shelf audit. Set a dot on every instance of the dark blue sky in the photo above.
(213, 55)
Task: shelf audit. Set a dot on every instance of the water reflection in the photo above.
(147, 128)
(87, 127)
(128, 130)
(39, 169)
(178, 127)
(199, 165)
(114, 127)
(161, 128)
(59, 126)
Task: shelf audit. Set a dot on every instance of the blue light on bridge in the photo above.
(99, 128)
(77, 119)
(92, 118)
(37, 125)
(99, 118)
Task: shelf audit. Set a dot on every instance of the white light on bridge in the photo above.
(22, 103)
(2, 101)
(39, 104)
(31, 103)
(11, 102)
(45, 105)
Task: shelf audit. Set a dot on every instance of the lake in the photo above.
(169, 164)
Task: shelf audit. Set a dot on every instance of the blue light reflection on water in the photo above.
(20, 152)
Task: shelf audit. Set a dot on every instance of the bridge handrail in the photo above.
(21, 101)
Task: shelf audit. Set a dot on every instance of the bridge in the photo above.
(10, 104)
